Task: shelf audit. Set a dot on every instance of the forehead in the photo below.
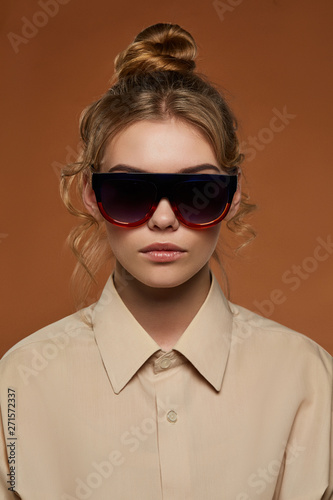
(159, 146)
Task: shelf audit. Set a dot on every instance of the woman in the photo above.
(162, 389)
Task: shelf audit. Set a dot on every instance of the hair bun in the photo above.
(160, 47)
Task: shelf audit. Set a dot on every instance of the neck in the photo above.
(151, 306)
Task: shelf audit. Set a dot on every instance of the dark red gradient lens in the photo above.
(198, 200)
(127, 201)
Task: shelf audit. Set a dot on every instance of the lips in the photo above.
(160, 247)
(162, 252)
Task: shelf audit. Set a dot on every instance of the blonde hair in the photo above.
(154, 78)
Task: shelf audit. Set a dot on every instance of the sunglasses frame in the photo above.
(164, 184)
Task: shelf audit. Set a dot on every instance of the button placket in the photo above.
(172, 432)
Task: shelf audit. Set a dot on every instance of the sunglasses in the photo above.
(130, 199)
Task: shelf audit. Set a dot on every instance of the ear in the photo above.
(89, 200)
(236, 199)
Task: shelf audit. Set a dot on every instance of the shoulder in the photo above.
(258, 336)
(48, 342)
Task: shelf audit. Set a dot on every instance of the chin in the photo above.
(162, 283)
(165, 278)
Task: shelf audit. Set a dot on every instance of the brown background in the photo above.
(268, 54)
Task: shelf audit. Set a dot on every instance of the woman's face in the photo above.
(168, 146)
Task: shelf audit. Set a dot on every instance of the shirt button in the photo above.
(172, 416)
(165, 363)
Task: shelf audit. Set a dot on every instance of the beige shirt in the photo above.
(240, 409)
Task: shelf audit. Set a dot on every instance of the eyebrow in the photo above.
(189, 170)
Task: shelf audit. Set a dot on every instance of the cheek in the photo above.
(206, 239)
(117, 237)
(124, 242)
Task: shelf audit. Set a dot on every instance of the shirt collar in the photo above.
(206, 341)
(125, 346)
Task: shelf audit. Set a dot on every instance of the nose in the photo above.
(163, 217)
